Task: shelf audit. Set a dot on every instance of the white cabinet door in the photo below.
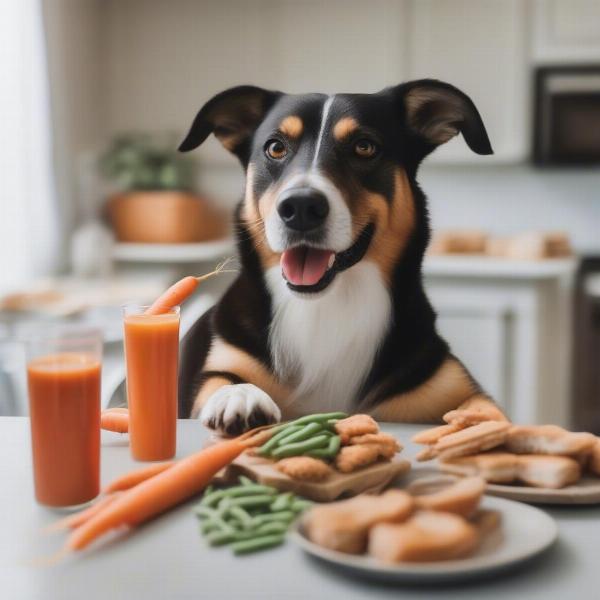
(566, 31)
(481, 47)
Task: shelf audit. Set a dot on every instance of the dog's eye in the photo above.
(275, 149)
(365, 148)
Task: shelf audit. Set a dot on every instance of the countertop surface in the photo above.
(167, 558)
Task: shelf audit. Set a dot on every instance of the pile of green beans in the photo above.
(312, 435)
(248, 516)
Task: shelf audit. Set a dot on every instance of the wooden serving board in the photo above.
(372, 479)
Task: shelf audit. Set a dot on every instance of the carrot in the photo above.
(155, 495)
(131, 479)
(73, 521)
(182, 290)
(113, 420)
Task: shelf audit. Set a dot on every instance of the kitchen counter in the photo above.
(168, 559)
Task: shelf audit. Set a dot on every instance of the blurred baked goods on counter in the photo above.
(524, 246)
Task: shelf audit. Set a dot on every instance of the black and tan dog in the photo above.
(328, 311)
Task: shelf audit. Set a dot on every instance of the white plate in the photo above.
(524, 533)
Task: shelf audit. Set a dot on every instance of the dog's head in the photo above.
(329, 178)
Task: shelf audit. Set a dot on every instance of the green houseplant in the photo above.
(154, 199)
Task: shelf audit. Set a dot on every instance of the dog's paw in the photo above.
(233, 409)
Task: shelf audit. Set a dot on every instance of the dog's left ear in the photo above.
(233, 116)
(437, 111)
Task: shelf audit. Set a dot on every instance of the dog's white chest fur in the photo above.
(324, 346)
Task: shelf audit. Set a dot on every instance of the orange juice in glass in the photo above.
(151, 355)
(63, 377)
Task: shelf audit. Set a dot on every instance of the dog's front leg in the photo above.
(238, 391)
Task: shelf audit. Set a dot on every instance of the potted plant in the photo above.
(154, 200)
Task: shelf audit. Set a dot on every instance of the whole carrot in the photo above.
(114, 420)
(77, 519)
(181, 290)
(155, 495)
(132, 479)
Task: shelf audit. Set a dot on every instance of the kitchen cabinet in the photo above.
(566, 31)
(510, 324)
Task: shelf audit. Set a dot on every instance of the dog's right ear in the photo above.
(233, 116)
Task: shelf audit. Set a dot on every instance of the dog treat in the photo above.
(495, 467)
(383, 440)
(472, 440)
(427, 453)
(431, 436)
(351, 458)
(471, 416)
(593, 463)
(354, 426)
(547, 471)
(486, 521)
(425, 537)
(461, 498)
(304, 468)
(344, 525)
(547, 439)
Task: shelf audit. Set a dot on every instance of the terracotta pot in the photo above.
(165, 218)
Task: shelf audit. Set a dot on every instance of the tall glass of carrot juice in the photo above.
(151, 356)
(63, 377)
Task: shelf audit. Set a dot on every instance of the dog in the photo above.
(328, 312)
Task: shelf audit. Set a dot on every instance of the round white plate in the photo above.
(525, 532)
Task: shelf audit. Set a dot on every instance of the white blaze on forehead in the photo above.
(326, 108)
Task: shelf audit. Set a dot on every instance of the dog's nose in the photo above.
(303, 209)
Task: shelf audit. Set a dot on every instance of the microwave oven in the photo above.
(567, 115)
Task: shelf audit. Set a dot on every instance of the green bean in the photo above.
(245, 480)
(218, 538)
(272, 443)
(298, 448)
(252, 501)
(257, 543)
(272, 527)
(333, 447)
(248, 490)
(285, 516)
(299, 504)
(282, 502)
(212, 498)
(204, 511)
(319, 418)
(302, 434)
(241, 515)
(218, 523)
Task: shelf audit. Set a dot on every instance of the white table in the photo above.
(167, 558)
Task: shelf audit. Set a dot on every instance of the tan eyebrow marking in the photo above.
(344, 127)
(292, 126)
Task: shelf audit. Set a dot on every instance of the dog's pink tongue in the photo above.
(305, 266)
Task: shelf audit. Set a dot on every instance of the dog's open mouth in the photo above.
(307, 269)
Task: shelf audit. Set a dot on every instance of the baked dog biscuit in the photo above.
(547, 471)
(495, 467)
(355, 425)
(385, 441)
(344, 525)
(431, 436)
(472, 440)
(547, 439)
(425, 537)
(461, 498)
(351, 458)
(304, 468)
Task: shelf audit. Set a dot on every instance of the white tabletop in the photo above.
(167, 558)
